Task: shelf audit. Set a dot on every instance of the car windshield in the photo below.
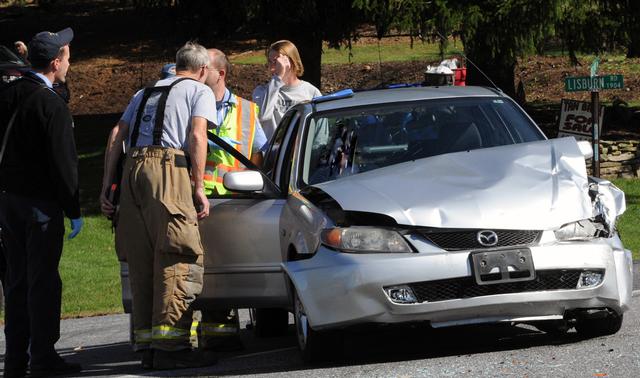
(350, 141)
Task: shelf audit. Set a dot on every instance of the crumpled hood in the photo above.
(530, 186)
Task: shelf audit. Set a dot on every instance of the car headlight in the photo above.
(581, 230)
(365, 240)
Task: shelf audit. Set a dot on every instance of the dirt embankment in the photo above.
(105, 85)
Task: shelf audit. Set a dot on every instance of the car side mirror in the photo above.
(243, 181)
(586, 149)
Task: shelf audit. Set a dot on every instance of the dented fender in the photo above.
(608, 201)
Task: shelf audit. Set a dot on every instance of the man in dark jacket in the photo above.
(38, 187)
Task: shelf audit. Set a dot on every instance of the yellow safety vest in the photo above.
(240, 124)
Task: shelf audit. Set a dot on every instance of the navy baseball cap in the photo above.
(168, 70)
(45, 46)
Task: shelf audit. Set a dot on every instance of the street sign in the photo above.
(586, 83)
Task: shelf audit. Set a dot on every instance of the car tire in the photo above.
(599, 327)
(314, 346)
(269, 322)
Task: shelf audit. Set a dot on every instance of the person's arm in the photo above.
(259, 143)
(117, 136)
(266, 96)
(257, 159)
(198, 155)
(62, 158)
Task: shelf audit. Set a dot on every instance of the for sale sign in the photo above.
(575, 120)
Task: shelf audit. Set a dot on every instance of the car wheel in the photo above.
(599, 327)
(314, 346)
(269, 322)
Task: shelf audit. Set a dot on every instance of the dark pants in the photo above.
(32, 234)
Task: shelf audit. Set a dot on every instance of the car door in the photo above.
(241, 237)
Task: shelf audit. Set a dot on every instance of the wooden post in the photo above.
(595, 116)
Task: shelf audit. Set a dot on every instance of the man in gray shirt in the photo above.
(157, 234)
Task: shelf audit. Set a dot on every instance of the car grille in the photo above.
(455, 240)
(466, 287)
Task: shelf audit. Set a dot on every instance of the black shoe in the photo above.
(147, 359)
(58, 367)
(186, 358)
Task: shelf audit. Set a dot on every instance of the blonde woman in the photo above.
(285, 88)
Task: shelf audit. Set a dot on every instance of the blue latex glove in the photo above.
(76, 226)
(229, 141)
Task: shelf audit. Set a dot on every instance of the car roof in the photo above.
(9, 60)
(384, 96)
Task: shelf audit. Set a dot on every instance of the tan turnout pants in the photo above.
(158, 236)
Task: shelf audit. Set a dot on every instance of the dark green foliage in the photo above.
(588, 26)
(626, 15)
(496, 32)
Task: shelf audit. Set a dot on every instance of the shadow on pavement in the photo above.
(367, 345)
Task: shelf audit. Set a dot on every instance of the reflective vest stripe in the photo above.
(142, 336)
(165, 332)
(252, 126)
(194, 328)
(239, 124)
(217, 329)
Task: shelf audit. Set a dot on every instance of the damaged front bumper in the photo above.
(340, 289)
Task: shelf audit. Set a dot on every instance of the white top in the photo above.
(275, 98)
(187, 99)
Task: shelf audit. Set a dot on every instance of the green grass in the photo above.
(628, 224)
(90, 271)
(388, 51)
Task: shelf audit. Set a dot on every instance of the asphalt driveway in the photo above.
(101, 345)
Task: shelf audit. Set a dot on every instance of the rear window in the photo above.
(352, 141)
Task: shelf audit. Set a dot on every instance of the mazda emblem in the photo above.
(487, 238)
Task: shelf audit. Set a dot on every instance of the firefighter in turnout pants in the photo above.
(218, 329)
(157, 233)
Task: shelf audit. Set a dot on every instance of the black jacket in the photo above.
(40, 160)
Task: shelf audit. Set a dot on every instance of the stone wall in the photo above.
(619, 158)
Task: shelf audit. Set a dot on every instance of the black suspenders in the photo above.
(159, 120)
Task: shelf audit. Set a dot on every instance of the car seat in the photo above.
(460, 136)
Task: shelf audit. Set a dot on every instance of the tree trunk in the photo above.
(633, 50)
(309, 46)
(499, 71)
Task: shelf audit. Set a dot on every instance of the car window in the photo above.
(271, 157)
(347, 142)
(285, 162)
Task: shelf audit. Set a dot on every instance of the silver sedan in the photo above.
(446, 206)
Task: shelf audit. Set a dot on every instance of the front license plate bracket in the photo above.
(502, 266)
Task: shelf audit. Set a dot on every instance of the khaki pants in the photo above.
(158, 236)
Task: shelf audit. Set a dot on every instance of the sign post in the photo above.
(594, 83)
(595, 107)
